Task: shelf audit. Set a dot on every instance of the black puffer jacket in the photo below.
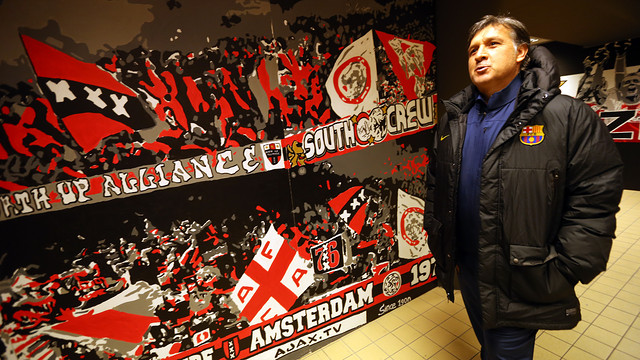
(547, 211)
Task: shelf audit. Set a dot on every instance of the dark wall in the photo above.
(569, 57)
(451, 37)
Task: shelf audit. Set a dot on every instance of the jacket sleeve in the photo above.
(592, 195)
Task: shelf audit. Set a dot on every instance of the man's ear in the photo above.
(521, 53)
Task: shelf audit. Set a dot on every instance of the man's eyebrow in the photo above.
(491, 38)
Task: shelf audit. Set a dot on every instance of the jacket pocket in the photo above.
(535, 276)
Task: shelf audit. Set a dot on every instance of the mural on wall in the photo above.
(210, 181)
(610, 84)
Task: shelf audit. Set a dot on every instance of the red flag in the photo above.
(111, 324)
(411, 60)
(91, 102)
(120, 324)
(351, 207)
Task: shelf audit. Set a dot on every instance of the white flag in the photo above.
(410, 234)
(352, 82)
(273, 281)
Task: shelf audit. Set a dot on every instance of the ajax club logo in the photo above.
(532, 135)
(391, 284)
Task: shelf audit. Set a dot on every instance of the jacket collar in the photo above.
(503, 96)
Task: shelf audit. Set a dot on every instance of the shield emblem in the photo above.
(231, 348)
(532, 135)
(273, 152)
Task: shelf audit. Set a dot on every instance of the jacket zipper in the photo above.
(458, 159)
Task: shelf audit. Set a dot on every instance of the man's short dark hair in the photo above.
(519, 32)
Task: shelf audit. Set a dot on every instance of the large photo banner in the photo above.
(210, 180)
(610, 84)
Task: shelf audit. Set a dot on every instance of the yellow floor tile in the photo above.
(593, 347)
(633, 289)
(609, 324)
(578, 354)
(592, 305)
(356, 340)
(455, 326)
(390, 344)
(628, 296)
(463, 316)
(540, 353)
(618, 276)
(443, 355)
(422, 324)
(441, 336)
(450, 308)
(374, 330)
(461, 349)
(568, 336)
(552, 344)
(418, 305)
(372, 352)
(625, 306)
(588, 316)
(337, 350)
(629, 346)
(610, 282)
(625, 267)
(633, 333)
(434, 297)
(390, 322)
(470, 337)
(436, 315)
(407, 334)
(618, 315)
(605, 289)
(316, 355)
(619, 355)
(425, 347)
(597, 296)
(405, 313)
(407, 353)
(581, 327)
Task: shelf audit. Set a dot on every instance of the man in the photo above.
(522, 191)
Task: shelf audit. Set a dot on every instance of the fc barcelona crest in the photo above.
(532, 135)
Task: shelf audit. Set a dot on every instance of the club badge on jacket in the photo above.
(532, 135)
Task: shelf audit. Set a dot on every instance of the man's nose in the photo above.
(480, 53)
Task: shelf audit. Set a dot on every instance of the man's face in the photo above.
(631, 88)
(493, 59)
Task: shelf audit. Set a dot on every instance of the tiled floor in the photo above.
(429, 327)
